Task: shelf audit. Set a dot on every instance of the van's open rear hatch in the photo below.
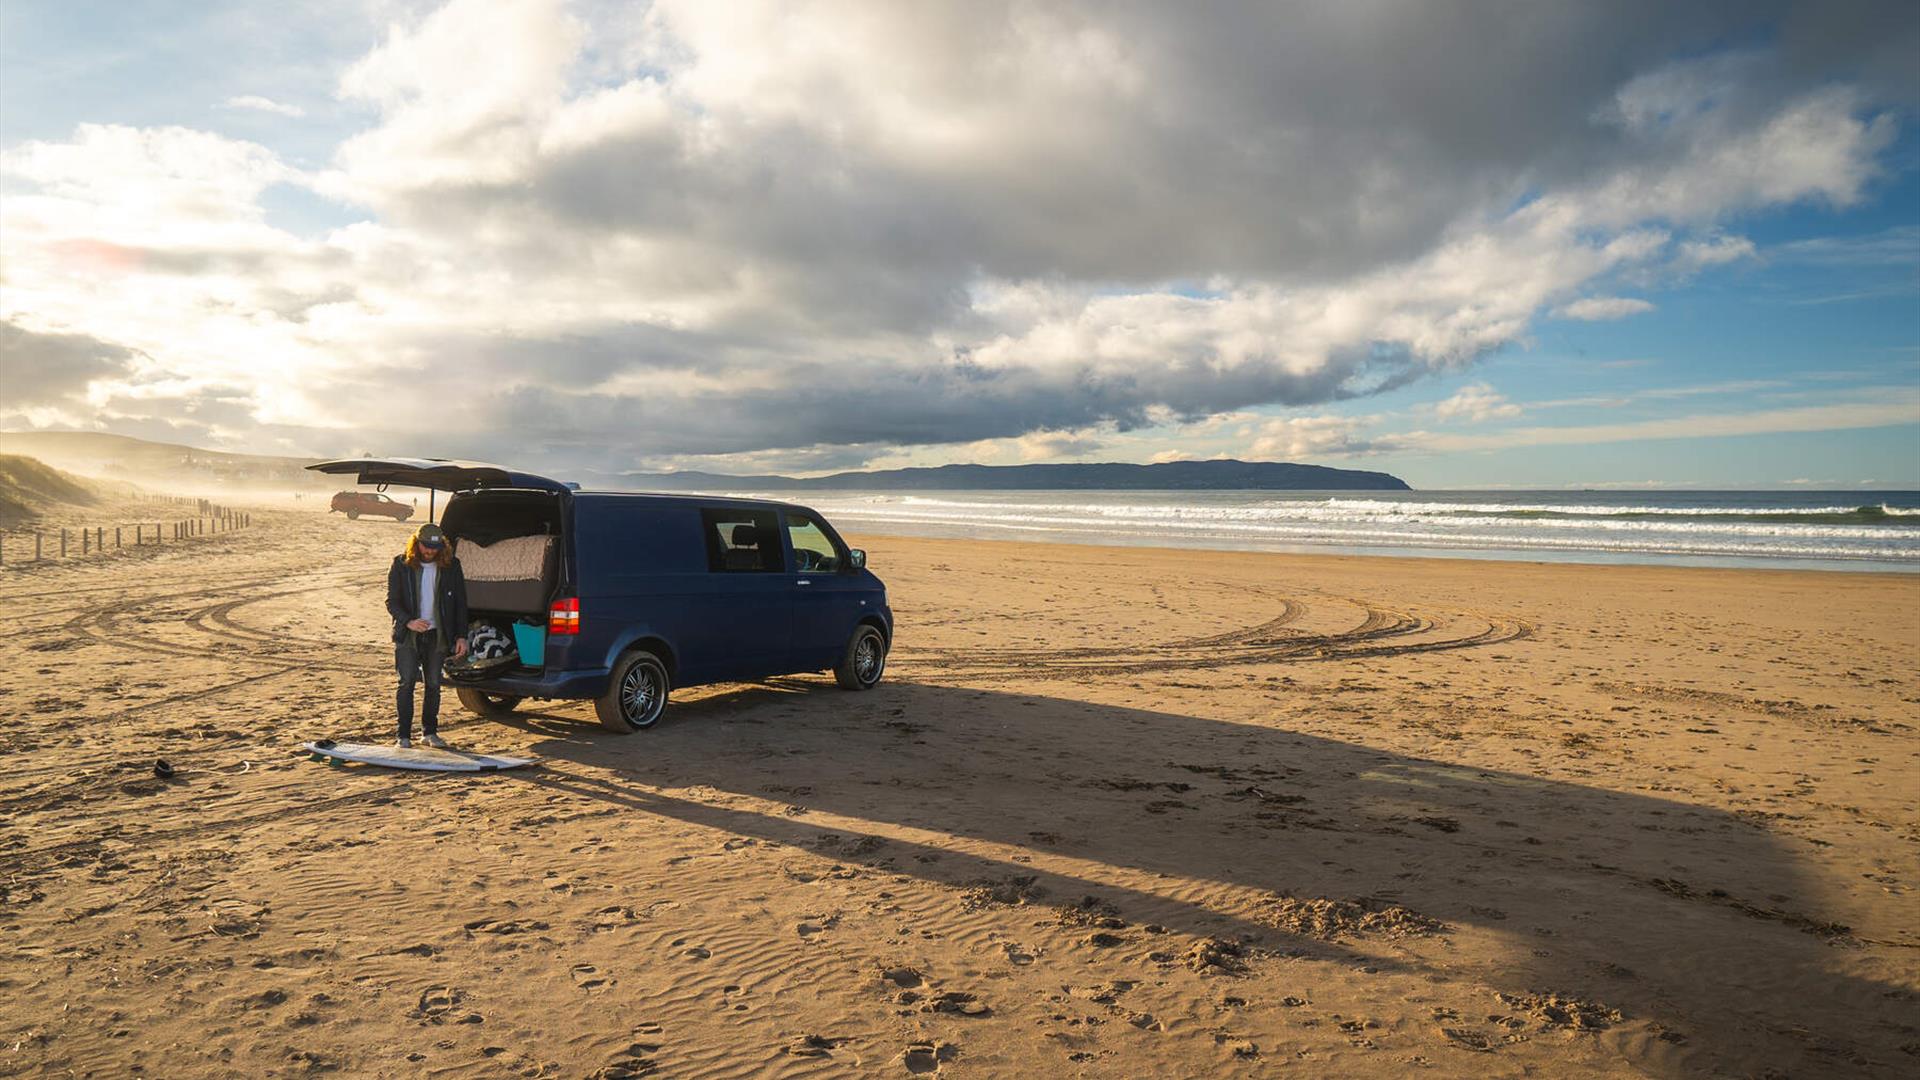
(444, 474)
(512, 550)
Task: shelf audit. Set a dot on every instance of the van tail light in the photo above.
(564, 617)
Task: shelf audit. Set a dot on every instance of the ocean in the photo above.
(1807, 529)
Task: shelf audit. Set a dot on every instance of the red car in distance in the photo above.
(355, 503)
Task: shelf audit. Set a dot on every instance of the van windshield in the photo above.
(813, 551)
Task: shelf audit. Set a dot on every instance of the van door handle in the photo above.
(803, 581)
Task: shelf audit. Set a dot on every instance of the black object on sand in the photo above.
(162, 770)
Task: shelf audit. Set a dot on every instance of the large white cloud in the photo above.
(826, 231)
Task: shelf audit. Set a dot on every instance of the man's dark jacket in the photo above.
(450, 607)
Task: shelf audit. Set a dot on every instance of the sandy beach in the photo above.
(1115, 812)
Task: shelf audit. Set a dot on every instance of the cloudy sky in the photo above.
(1477, 243)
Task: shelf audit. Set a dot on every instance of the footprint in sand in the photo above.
(925, 1057)
(693, 951)
(505, 926)
(956, 1003)
(630, 1064)
(266, 999)
(817, 1046)
(1017, 955)
(588, 978)
(612, 918)
(437, 1001)
(817, 924)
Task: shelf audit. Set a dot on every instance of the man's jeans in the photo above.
(418, 656)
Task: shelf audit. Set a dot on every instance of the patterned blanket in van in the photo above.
(515, 574)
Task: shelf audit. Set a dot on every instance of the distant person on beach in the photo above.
(427, 597)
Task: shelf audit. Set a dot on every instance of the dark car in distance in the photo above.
(620, 597)
(355, 503)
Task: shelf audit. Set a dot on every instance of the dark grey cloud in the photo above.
(1288, 142)
(865, 407)
(45, 369)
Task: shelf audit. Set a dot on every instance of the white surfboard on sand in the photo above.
(415, 757)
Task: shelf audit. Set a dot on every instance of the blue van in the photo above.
(620, 597)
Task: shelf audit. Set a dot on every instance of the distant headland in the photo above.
(1218, 475)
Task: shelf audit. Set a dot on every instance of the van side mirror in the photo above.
(857, 559)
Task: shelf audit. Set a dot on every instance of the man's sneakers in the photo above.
(436, 742)
(404, 744)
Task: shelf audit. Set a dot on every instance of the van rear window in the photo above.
(742, 541)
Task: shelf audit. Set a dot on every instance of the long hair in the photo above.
(414, 558)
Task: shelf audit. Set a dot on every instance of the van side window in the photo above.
(813, 552)
(741, 540)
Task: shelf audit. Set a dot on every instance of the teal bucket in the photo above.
(532, 643)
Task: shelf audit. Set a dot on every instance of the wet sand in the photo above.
(1113, 813)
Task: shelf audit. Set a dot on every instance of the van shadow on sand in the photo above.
(1690, 918)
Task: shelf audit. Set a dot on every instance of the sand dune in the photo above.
(1115, 813)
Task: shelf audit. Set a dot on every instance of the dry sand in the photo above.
(1115, 812)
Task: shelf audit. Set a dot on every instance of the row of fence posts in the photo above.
(93, 540)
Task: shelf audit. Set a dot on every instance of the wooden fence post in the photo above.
(36, 546)
(63, 543)
(99, 538)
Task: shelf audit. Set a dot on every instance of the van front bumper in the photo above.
(545, 684)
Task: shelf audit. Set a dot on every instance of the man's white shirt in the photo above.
(429, 578)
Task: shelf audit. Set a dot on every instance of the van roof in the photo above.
(686, 498)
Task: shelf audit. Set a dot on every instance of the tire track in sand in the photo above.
(1381, 632)
(108, 624)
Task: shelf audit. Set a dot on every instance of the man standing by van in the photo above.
(427, 597)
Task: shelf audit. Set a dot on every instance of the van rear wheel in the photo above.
(636, 694)
(864, 661)
(488, 706)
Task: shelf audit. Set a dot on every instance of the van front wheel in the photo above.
(864, 661)
(636, 694)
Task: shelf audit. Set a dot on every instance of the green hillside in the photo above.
(28, 487)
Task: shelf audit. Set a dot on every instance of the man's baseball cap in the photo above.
(432, 536)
